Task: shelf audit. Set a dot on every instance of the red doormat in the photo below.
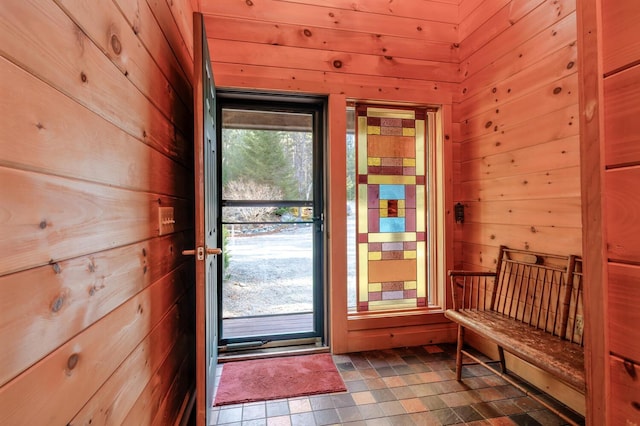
(276, 378)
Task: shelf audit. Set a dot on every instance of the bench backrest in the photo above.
(542, 290)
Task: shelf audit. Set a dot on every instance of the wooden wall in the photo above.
(516, 129)
(96, 318)
(516, 140)
(400, 52)
(620, 59)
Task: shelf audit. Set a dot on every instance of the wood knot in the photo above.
(40, 126)
(56, 268)
(498, 143)
(419, 28)
(488, 124)
(115, 44)
(635, 405)
(533, 229)
(570, 65)
(446, 137)
(464, 90)
(493, 237)
(331, 14)
(57, 304)
(249, 3)
(72, 362)
(389, 58)
(630, 369)
(140, 310)
(144, 251)
(83, 77)
(557, 90)
(42, 224)
(337, 63)
(307, 32)
(494, 90)
(455, 45)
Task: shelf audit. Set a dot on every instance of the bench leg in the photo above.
(503, 364)
(459, 353)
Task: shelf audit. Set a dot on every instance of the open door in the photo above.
(206, 200)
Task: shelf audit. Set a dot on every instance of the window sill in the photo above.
(387, 319)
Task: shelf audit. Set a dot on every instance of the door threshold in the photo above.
(260, 353)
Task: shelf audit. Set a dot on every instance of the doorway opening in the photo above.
(271, 287)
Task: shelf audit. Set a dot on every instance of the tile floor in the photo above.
(408, 386)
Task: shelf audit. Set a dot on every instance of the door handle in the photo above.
(200, 251)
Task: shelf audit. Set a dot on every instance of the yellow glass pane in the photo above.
(420, 209)
(363, 275)
(410, 254)
(420, 147)
(390, 113)
(362, 145)
(422, 268)
(401, 204)
(408, 162)
(375, 286)
(363, 215)
(389, 237)
(408, 131)
(373, 130)
(410, 285)
(374, 161)
(384, 204)
(390, 180)
(375, 255)
(377, 305)
(401, 213)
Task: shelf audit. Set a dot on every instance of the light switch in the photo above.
(166, 221)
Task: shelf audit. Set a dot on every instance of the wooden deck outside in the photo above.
(267, 325)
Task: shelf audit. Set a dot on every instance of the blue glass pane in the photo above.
(392, 192)
(392, 224)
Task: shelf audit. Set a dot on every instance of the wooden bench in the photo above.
(531, 307)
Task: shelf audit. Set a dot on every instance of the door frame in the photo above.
(273, 101)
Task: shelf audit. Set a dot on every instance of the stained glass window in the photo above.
(391, 208)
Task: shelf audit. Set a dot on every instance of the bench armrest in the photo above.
(472, 290)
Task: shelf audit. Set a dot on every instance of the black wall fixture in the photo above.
(459, 212)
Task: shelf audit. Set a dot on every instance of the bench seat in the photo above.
(550, 353)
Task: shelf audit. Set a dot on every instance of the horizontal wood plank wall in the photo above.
(394, 52)
(404, 53)
(97, 323)
(621, 147)
(516, 131)
(516, 123)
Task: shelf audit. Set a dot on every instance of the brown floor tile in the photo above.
(506, 407)
(375, 383)
(413, 405)
(392, 408)
(362, 398)
(393, 382)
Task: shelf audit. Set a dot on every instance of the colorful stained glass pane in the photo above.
(391, 209)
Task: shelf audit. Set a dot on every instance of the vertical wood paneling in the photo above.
(96, 136)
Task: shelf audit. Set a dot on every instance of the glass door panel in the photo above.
(272, 224)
